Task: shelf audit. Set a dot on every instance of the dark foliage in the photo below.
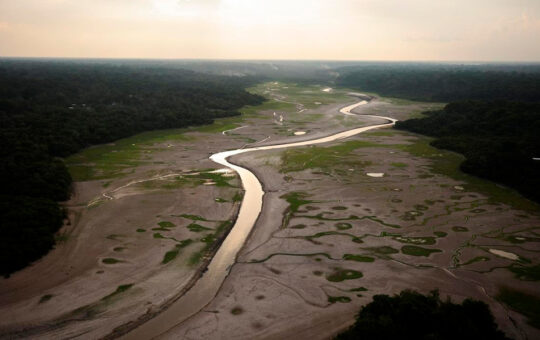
(52, 109)
(498, 139)
(411, 315)
(445, 83)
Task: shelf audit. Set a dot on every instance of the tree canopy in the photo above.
(51, 109)
(411, 315)
(500, 140)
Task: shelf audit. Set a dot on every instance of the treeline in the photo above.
(499, 139)
(445, 83)
(413, 316)
(52, 109)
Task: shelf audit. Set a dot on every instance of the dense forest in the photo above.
(411, 315)
(499, 140)
(493, 118)
(445, 83)
(51, 109)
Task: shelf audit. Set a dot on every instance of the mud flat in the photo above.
(343, 237)
(328, 237)
(147, 214)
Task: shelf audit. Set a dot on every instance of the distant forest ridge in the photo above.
(445, 83)
(53, 109)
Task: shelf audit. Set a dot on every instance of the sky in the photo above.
(434, 30)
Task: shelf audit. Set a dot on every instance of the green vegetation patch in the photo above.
(526, 304)
(45, 298)
(343, 226)
(384, 250)
(399, 165)
(110, 260)
(324, 158)
(527, 273)
(358, 258)
(476, 259)
(344, 274)
(341, 299)
(193, 217)
(170, 255)
(359, 289)
(459, 229)
(237, 311)
(166, 224)
(119, 290)
(440, 233)
(298, 226)
(197, 228)
(140, 230)
(238, 196)
(418, 251)
(296, 200)
(428, 240)
(448, 164)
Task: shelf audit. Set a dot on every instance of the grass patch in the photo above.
(121, 289)
(341, 299)
(526, 304)
(238, 196)
(415, 240)
(475, 259)
(140, 230)
(110, 260)
(399, 165)
(298, 226)
(458, 229)
(170, 255)
(237, 311)
(296, 200)
(531, 273)
(324, 158)
(359, 289)
(384, 250)
(343, 226)
(166, 224)
(193, 217)
(418, 251)
(197, 228)
(45, 298)
(344, 274)
(358, 258)
(447, 163)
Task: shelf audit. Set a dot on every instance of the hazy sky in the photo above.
(483, 30)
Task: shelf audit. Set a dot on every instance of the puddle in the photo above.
(505, 254)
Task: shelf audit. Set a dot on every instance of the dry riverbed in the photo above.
(330, 236)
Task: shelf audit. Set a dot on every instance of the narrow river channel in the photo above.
(208, 285)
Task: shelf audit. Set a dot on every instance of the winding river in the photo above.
(208, 285)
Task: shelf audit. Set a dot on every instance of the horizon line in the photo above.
(277, 60)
